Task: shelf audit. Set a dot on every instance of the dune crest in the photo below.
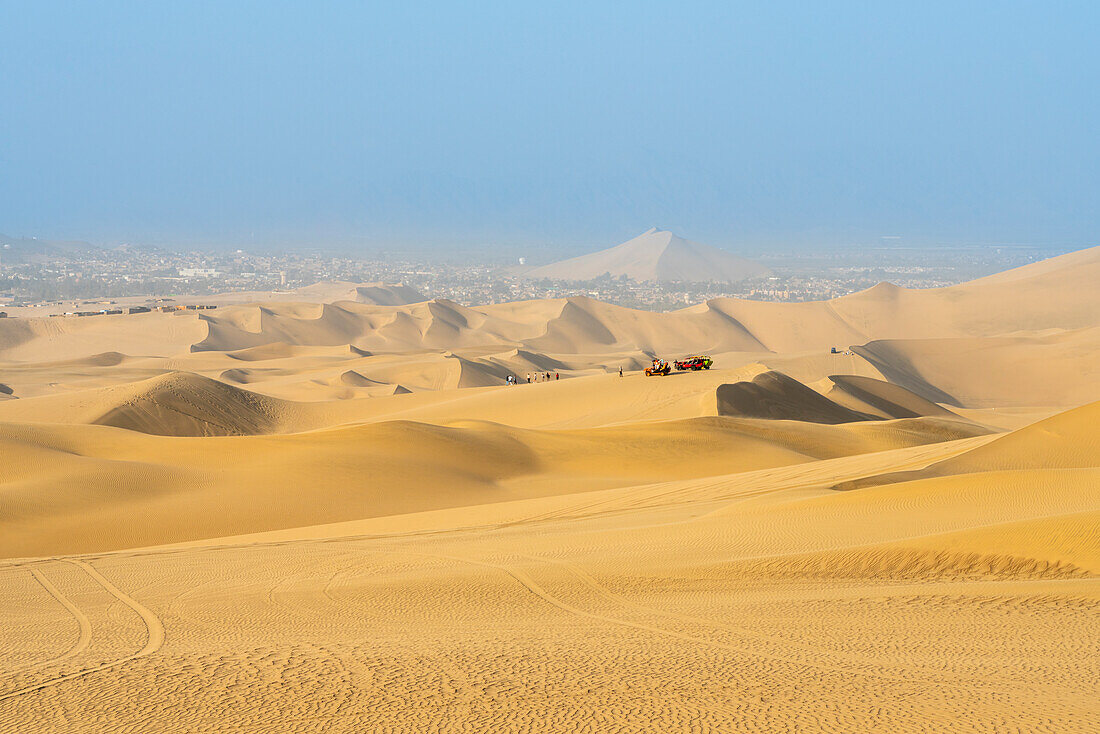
(776, 396)
(173, 404)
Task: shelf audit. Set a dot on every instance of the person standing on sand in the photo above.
(528, 378)
(557, 375)
(620, 370)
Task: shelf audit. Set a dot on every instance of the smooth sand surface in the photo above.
(294, 516)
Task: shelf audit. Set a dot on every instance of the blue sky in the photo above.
(452, 124)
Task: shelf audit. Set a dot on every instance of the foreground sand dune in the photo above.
(334, 516)
(753, 601)
(87, 488)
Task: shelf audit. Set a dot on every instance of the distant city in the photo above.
(40, 273)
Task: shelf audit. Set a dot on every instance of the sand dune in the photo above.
(309, 513)
(656, 255)
(382, 294)
(581, 402)
(1058, 368)
(1065, 441)
(878, 398)
(265, 352)
(1061, 264)
(176, 404)
(959, 346)
(376, 294)
(1053, 297)
(64, 339)
(85, 480)
(353, 378)
(1068, 440)
(774, 395)
(325, 291)
(834, 399)
(103, 359)
(754, 578)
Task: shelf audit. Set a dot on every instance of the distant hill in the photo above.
(19, 250)
(329, 291)
(375, 294)
(386, 294)
(655, 255)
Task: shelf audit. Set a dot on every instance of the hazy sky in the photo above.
(458, 123)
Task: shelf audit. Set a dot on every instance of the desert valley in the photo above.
(318, 513)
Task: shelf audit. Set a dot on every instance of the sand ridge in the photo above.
(956, 345)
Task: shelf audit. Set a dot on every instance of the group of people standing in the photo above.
(536, 377)
(543, 377)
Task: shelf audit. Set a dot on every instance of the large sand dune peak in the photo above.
(656, 255)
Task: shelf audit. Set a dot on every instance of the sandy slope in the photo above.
(83, 488)
(753, 601)
(878, 398)
(173, 404)
(1064, 441)
(1057, 368)
(1029, 341)
(294, 516)
(187, 404)
(779, 397)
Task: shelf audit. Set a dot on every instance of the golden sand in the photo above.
(285, 516)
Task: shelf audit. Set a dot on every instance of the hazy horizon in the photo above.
(570, 128)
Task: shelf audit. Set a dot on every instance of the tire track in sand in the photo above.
(153, 642)
(535, 588)
(459, 678)
(84, 638)
(867, 667)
